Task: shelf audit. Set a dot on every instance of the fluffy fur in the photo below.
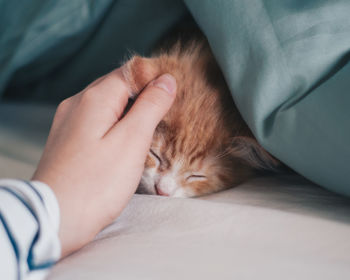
(202, 145)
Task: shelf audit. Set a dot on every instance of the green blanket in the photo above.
(284, 61)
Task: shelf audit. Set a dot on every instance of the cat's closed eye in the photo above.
(202, 145)
(156, 156)
(196, 177)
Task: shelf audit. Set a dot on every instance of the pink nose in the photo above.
(160, 192)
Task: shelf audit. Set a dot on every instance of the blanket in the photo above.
(286, 63)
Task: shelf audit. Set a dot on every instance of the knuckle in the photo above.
(64, 103)
(153, 103)
(119, 84)
(155, 99)
(117, 78)
(62, 107)
(89, 96)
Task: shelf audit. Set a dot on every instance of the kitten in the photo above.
(202, 145)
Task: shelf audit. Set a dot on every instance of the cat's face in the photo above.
(178, 166)
(202, 145)
(178, 176)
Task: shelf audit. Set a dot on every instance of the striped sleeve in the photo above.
(29, 220)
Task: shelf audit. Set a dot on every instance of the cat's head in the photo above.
(202, 145)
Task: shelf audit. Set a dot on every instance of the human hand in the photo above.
(94, 157)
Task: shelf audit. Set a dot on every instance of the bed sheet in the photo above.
(268, 228)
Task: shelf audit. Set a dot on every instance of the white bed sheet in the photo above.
(269, 228)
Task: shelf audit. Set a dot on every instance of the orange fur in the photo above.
(202, 145)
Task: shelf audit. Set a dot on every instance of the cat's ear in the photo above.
(249, 150)
(139, 71)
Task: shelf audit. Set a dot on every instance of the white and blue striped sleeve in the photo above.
(29, 220)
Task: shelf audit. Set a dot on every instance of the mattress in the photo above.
(267, 228)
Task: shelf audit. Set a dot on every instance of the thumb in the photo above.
(151, 106)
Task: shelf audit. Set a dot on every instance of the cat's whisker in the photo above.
(203, 135)
(223, 154)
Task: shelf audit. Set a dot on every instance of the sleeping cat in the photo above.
(202, 145)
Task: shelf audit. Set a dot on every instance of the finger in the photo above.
(111, 88)
(95, 82)
(100, 106)
(148, 110)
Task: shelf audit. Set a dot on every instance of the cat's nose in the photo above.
(160, 192)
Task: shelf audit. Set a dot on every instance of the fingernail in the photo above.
(166, 82)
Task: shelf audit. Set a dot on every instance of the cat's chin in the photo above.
(179, 193)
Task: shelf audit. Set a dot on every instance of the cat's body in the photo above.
(202, 145)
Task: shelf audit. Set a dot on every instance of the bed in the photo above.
(267, 228)
(286, 64)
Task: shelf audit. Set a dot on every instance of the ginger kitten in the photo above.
(202, 145)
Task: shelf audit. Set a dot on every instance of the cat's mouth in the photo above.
(160, 192)
(142, 189)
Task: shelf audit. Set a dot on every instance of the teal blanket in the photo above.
(286, 63)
